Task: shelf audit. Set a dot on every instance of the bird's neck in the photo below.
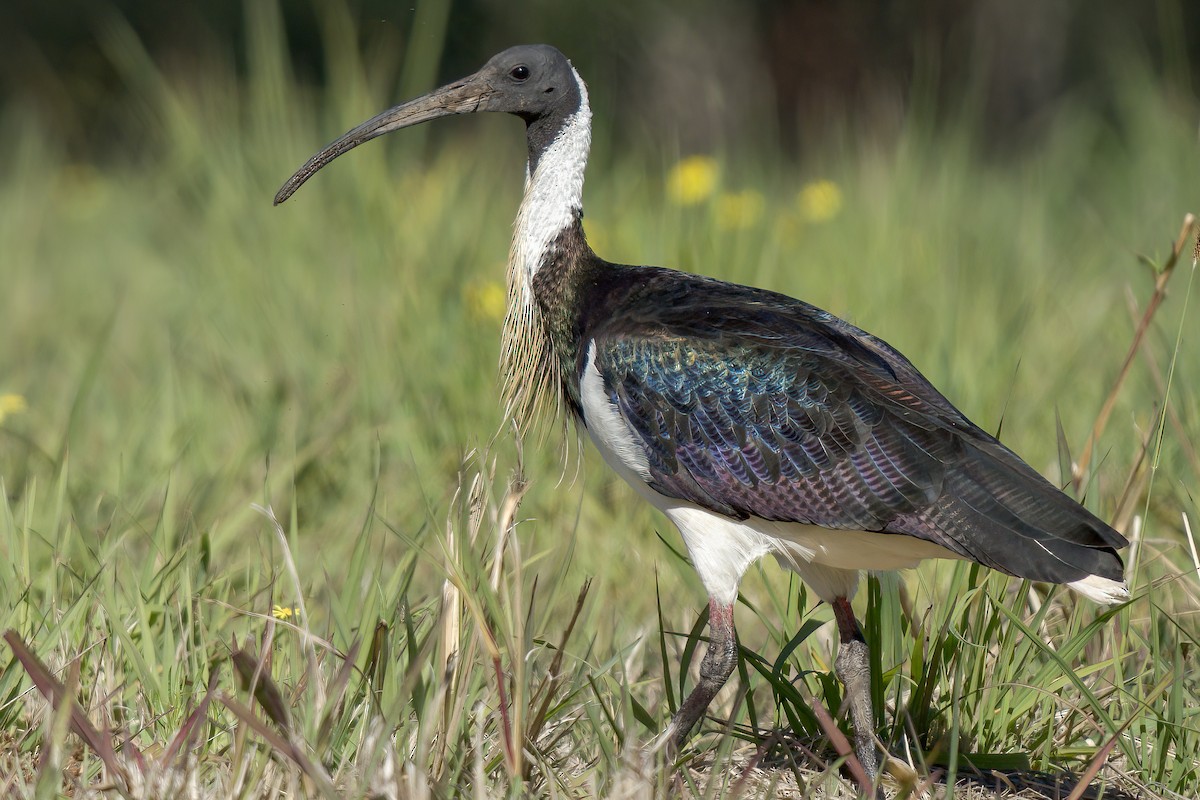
(547, 249)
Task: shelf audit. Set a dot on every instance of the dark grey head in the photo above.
(534, 81)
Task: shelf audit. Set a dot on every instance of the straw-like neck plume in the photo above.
(558, 151)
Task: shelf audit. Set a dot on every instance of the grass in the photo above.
(430, 610)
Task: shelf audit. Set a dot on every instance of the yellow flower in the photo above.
(282, 612)
(486, 300)
(820, 201)
(11, 404)
(737, 210)
(692, 180)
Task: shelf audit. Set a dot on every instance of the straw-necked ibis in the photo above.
(758, 424)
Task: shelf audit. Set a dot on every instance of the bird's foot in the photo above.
(853, 668)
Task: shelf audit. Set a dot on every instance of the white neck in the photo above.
(553, 193)
(553, 198)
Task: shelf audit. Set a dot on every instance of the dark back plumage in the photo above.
(751, 403)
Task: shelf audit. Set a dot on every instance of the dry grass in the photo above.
(418, 619)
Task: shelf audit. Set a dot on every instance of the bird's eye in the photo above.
(519, 73)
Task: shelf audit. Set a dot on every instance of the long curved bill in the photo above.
(461, 97)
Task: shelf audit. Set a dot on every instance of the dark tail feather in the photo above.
(996, 510)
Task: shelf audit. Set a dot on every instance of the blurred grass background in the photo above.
(173, 349)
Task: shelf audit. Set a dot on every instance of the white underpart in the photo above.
(721, 548)
(607, 427)
(553, 193)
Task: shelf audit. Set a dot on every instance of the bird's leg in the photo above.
(715, 669)
(853, 667)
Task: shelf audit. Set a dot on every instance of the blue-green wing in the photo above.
(774, 409)
(782, 435)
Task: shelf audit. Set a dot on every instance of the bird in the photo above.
(758, 424)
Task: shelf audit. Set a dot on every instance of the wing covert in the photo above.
(775, 432)
(750, 403)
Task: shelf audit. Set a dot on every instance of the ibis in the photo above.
(757, 423)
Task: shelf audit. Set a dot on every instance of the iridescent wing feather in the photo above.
(753, 404)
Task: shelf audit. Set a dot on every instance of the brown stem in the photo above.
(1079, 468)
(505, 723)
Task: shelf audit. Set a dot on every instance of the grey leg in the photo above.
(715, 669)
(853, 667)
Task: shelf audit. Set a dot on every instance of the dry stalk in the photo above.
(451, 613)
(1191, 540)
(1079, 468)
(1135, 486)
(1160, 383)
(506, 522)
(458, 602)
